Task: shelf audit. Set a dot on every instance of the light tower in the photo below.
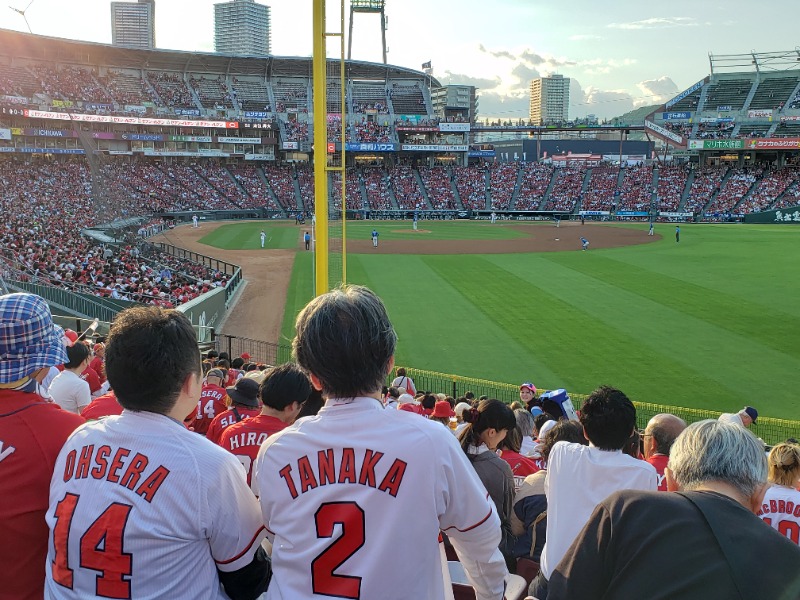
(368, 7)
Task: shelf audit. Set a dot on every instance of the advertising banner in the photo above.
(204, 139)
(482, 153)
(14, 99)
(725, 108)
(136, 108)
(370, 147)
(676, 215)
(676, 116)
(664, 132)
(632, 213)
(43, 114)
(790, 118)
(773, 143)
(101, 135)
(96, 106)
(785, 215)
(434, 147)
(716, 144)
(685, 93)
(51, 150)
(255, 114)
(417, 128)
(594, 213)
(290, 145)
(187, 112)
(239, 140)
(62, 103)
(453, 126)
(259, 156)
(207, 153)
(7, 149)
(760, 113)
(143, 137)
(5, 134)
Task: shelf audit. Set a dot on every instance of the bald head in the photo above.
(661, 432)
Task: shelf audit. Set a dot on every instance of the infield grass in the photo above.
(247, 236)
(712, 322)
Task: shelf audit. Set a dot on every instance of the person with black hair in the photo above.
(141, 507)
(487, 426)
(580, 477)
(68, 390)
(283, 393)
(243, 405)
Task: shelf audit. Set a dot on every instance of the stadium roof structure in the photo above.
(59, 50)
(757, 62)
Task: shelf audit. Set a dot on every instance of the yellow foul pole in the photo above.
(321, 283)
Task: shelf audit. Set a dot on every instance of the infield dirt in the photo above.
(258, 312)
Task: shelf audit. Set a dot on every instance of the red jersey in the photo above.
(211, 404)
(659, 461)
(244, 438)
(521, 466)
(102, 406)
(99, 368)
(32, 433)
(228, 418)
(91, 377)
(233, 377)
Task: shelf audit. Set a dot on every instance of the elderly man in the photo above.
(657, 439)
(702, 543)
(744, 418)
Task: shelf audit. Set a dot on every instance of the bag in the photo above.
(527, 568)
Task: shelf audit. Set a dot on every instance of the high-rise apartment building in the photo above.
(455, 102)
(133, 24)
(549, 100)
(242, 27)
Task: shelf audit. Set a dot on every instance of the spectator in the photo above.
(781, 505)
(346, 343)
(527, 394)
(442, 413)
(244, 405)
(68, 390)
(32, 432)
(404, 381)
(392, 397)
(745, 417)
(194, 514)
(701, 543)
(580, 477)
(213, 401)
(657, 439)
(488, 425)
(526, 426)
(102, 406)
(283, 393)
(521, 466)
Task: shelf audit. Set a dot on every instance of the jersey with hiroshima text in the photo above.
(354, 499)
(244, 439)
(211, 404)
(140, 507)
(224, 420)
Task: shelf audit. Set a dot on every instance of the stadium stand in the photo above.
(281, 180)
(535, 181)
(212, 91)
(376, 183)
(252, 94)
(768, 189)
(503, 181)
(471, 185)
(737, 184)
(305, 180)
(127, 87)
(636, 189)
(406, 189)
(566, 189)
(371, 131)
(291, 95)
(773, 92)
(602, 187)
(671, 183)
(171, 89)
(728, 92)
(369, 97)
(437, 183)
(706, 183)
(407, 99)
(352, 189)
(254, 185)
(70, 83)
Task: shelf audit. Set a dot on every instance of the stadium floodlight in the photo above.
(22, 12)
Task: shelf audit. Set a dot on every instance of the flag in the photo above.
(426, 65)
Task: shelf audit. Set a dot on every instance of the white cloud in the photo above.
(656, 91)
(585, 37)
(656, 23)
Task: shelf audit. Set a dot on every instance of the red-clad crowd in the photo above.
(172, 89)
(734, 189)
(352, 190)
(406, 189)
(471, 185)
(771, 186)
(600, 192)
(371, 131)
(376, 182)
(671, 183)
(503, 181)
(256, 187)
(281, 180)
(535, 181)
(437, 181)
(566, 189)
(636, 189)
(706, 183)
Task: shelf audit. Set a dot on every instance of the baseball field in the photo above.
(710, 322)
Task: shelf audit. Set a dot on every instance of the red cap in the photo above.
(71, 336)
(245, 356)
(442, 409)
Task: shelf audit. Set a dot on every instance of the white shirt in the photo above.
(579, 478)
(731, 419)
(70, 392)
(379, 521)
(528, 446)
(187, 513)
(781, 510)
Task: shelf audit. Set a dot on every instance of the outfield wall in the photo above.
(784, 215)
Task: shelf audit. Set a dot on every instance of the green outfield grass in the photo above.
(712, 322)
(247, 236)
(436, 230)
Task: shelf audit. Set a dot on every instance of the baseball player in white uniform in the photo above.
(194, 221)
(354, 498)
(263, 238)
(141, 507)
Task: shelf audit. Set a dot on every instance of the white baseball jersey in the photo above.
(140, 507)
(781, 510)
(354, 499)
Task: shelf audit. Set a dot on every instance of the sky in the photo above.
(619, 54)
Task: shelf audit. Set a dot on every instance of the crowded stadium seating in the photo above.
(437, 183)
(471, 185)
(671, 183)
(535, 181)
(600, 191)
(406, 189)
(376, 183)
(503, 180)
(566, 189)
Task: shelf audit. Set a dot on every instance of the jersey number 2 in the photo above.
(323, 580)
(101, 548)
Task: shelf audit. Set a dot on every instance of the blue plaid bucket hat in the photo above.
(29, 340)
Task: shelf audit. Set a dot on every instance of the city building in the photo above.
(549, 100)
(133, 24)
(242, 27)
(455, 102)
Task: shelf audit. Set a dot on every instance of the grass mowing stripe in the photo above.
(706, 351)
(437, 326)
(301, 290)
(439, 230)
(247, 236)
(734, 314)
(582, 350)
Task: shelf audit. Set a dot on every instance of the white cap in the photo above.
(545, 428)
(461, 407)
(405, 398)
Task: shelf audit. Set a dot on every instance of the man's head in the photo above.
(215, 377)
(660, 433)
(152, 361)
(748, 415)
(244, 393)
(709, 452)
(345, 342)
(608, 418)
(30, 342)
(285, 389)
